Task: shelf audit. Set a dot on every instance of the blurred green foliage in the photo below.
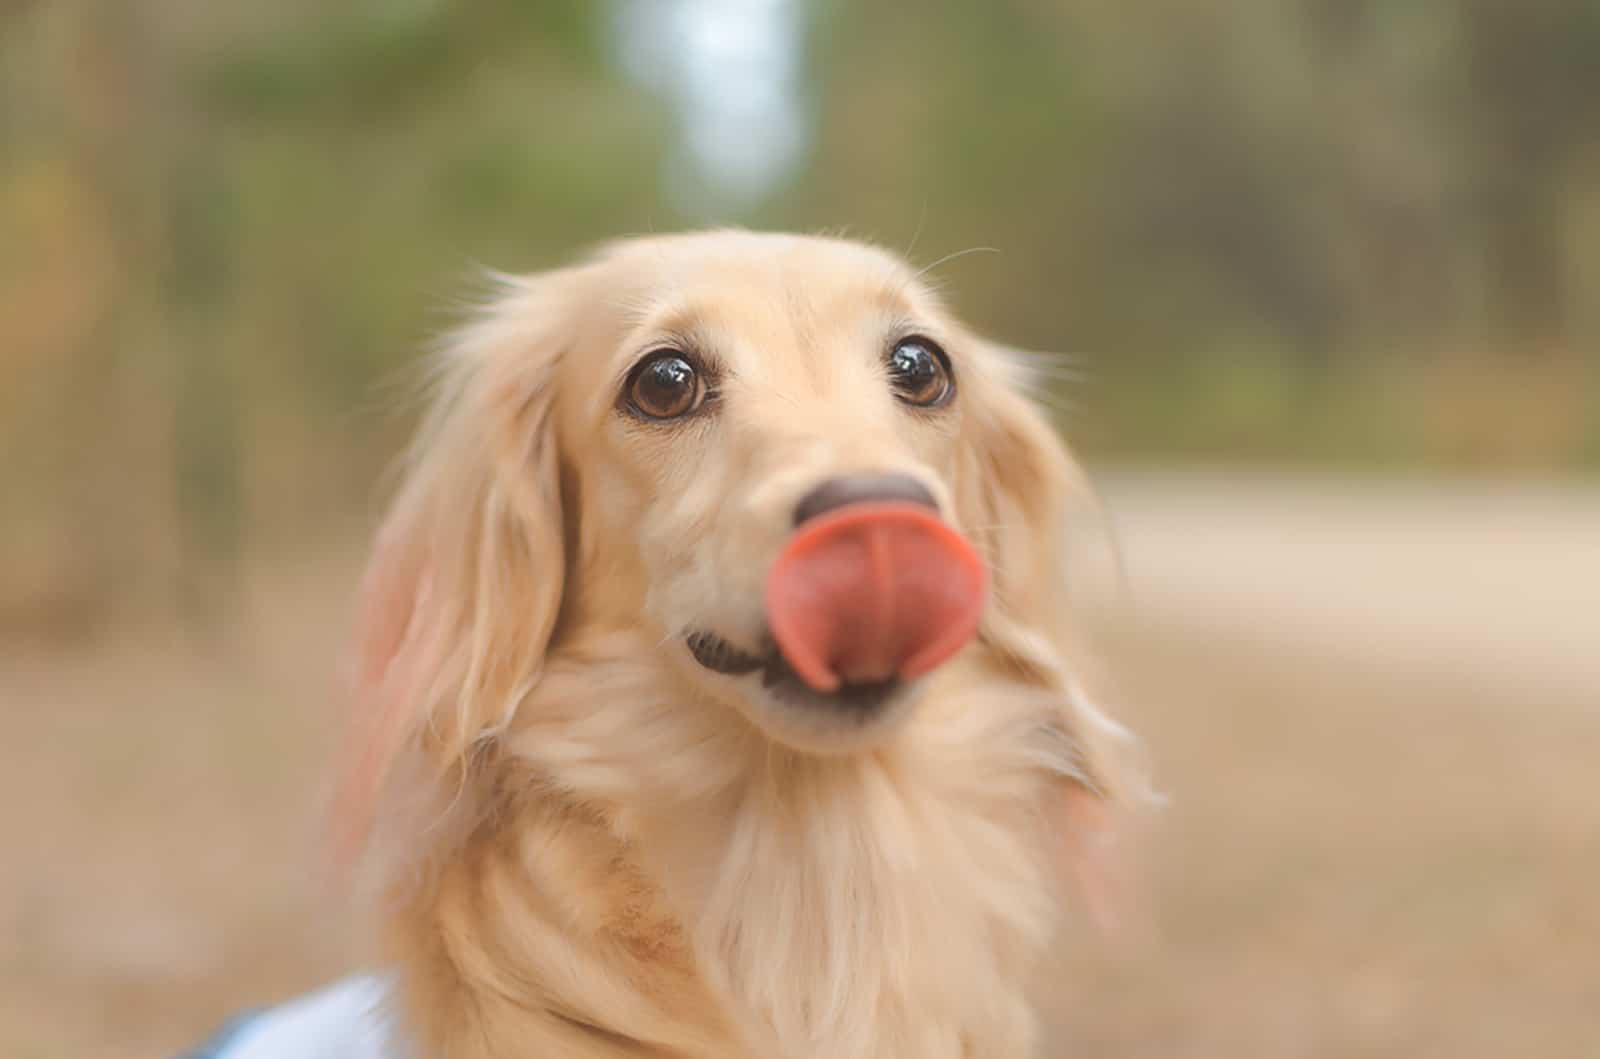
(1361, 232)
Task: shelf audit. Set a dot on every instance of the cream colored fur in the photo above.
(601, 849)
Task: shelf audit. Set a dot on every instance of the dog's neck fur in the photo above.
(642, 875)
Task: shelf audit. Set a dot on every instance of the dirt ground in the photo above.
(1374, 707)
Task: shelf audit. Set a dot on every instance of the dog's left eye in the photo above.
(664, 385)
(920, 372)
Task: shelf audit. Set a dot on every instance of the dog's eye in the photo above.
(665, 385)
(920, 372)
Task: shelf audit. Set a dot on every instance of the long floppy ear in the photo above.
(1017, 491)
(461, 597)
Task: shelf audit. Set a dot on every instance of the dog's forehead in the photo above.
(758, 289)
(754, 282)
(768, 256)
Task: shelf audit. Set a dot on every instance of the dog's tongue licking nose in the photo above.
(873, 591)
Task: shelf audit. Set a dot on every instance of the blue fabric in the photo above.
(347, 1019)
(216, 1047)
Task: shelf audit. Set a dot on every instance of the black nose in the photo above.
(859, 489)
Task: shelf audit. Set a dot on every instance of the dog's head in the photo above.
(780, 457)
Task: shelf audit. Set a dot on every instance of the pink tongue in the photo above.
(873, 591)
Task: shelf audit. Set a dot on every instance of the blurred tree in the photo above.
(1276, 230)
(281, 196)
(1531, 99)
(1234, 200)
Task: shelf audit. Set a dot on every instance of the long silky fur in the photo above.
(587, 856)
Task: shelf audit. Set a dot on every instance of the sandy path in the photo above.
(1372, 703)
(1496, 583)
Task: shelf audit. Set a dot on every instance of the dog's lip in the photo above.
(720, 656)
(779, 678)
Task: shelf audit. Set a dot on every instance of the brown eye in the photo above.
(920, 373)
(665, 386)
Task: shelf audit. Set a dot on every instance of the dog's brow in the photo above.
(667, 324)
(673, 318)
(901, 297)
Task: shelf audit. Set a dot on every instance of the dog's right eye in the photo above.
(664, 385)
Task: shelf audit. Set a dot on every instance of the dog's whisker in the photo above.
(1066, 373)
(916, 234)
(1061, 372)
(1054, 401)
(953, 256)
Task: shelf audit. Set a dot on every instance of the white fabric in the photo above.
(346, 1020)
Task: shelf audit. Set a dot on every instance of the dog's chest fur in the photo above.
(652, 890)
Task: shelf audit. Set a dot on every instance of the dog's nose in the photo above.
(859, 489)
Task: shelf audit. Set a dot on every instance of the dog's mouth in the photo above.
(720, 656)
(861, 602)
(783, 683)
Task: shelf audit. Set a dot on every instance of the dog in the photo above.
(716, 689)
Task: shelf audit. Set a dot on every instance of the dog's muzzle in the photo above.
(872, 590)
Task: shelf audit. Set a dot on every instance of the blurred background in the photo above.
(1326, 276)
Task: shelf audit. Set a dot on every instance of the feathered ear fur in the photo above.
(460, 601)
(1016, 493)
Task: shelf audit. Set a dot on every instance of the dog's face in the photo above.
(683, 518)
(736, 390)
(777, 459)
